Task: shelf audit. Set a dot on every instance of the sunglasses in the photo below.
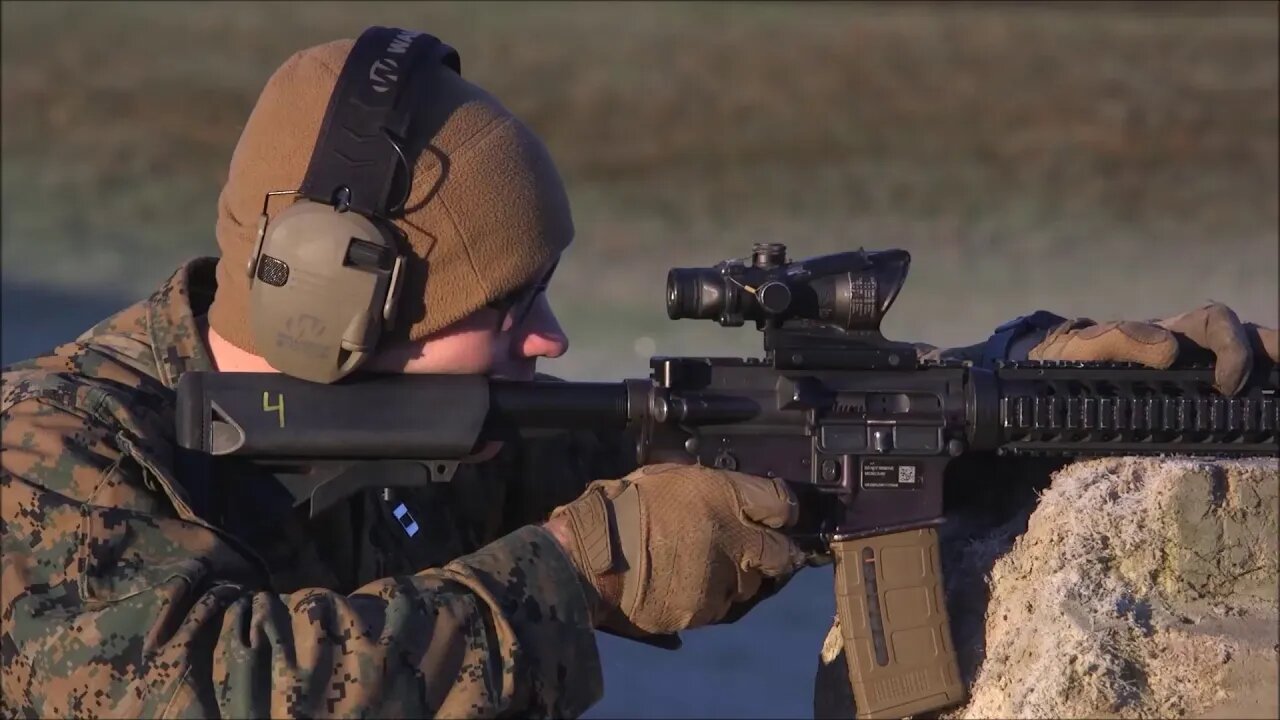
(518, 304)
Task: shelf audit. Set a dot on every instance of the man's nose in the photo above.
(540, 335)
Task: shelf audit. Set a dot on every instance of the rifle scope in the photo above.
(849, 290)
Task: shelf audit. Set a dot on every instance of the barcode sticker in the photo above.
(889, 475)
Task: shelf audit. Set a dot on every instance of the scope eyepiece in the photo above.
(696, 293)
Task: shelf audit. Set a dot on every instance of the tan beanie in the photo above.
(487, 211)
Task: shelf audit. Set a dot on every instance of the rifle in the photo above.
(859, 426)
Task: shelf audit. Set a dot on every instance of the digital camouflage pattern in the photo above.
(131, 588)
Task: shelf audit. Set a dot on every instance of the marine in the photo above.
(137, 582)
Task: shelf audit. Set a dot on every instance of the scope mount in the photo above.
(825, 349)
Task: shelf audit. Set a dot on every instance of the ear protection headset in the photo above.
(325, 274)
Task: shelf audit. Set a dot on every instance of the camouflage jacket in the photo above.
(131, 589)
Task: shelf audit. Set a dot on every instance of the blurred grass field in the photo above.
(1101, 160)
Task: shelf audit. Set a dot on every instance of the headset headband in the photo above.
(359, 149)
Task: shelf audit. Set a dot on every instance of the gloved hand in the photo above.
(671, 547)
(1210, 332)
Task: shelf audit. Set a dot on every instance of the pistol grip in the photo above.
(893, 618)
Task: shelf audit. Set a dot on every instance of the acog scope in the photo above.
(849, 290)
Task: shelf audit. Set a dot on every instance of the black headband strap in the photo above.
(374, 96)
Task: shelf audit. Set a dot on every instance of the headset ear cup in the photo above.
(322, 285)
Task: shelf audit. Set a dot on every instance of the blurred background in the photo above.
(1102, 160)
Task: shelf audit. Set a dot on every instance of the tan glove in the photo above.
(671, 547)
(1211, 331)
